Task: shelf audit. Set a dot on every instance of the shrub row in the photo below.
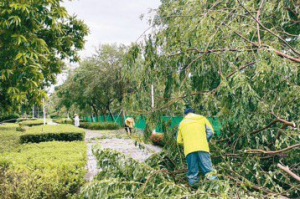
(63, 121)
(100, 126)
(11, 118)
(23, 119)
(52, 133)
(9, 137)
(32, 122)
(45, 170)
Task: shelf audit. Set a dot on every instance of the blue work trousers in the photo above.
(196, 161)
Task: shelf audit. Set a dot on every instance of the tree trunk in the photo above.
(92, 117)
(104, 116)
(96, 113)
(123, 117)
(111, 115)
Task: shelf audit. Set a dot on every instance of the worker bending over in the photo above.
(129, 124)
(194, 133)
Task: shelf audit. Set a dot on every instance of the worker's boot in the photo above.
(212, 175)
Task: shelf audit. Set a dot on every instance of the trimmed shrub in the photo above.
(9, 137)
(52, 133)
(32, 122)
(23, 119)
(55, 116)
(84, 120)
(63, 121)
(100, 126)
(9, 118)
(45, 170)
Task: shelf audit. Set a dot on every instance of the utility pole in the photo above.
(44, 112)
(152, 103)
(152, 96)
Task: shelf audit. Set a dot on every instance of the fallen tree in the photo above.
(238, 60)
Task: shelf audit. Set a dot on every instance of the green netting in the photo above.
(170, 122)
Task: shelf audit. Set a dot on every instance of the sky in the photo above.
(109, 21)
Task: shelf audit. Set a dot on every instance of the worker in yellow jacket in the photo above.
(194, 133)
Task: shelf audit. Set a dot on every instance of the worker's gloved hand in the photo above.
(209, 133)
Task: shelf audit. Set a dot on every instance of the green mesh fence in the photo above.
(140, 122)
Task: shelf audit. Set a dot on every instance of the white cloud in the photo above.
(111, 21)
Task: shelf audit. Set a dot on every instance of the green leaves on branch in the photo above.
(223, 60)
(31, 34)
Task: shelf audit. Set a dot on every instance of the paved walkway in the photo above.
(52, 123)
(110, 141)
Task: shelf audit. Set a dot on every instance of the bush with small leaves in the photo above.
(100, 126)
(49, 133)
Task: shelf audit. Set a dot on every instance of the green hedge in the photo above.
(100, 126)
(63, 121)
(44, 170)
(9, 118)
(52, 133)
(32, 122)
(9, 137)
(24, 119)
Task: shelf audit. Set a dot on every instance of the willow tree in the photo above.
(237, 60)
(35, 36)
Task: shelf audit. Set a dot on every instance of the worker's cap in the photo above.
(189, 110)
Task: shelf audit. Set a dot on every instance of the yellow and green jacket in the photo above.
(192, 133)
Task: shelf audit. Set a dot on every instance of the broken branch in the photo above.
(257, 25)
(286, 123)
(271, 152)
(288, 171)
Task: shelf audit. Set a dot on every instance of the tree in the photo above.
(237, 60)
(35, 36)
(65, 96)
(99, 83)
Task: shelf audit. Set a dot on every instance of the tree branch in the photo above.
(271, 152)
(268, 30)
(268, 48)
(287, 56)
(255, 187)
(277, 119)
(257, 25)
(288, 171)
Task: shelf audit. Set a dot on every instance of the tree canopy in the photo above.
(35, 37)
(100, 83)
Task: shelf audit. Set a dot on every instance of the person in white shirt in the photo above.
(76, 120)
